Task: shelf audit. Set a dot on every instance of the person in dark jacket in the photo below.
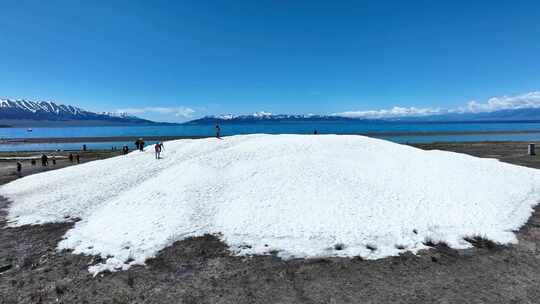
(19, 168)
(141, 145)
(70, 157)
(157, 148)
(218, 131)
(44, 160)
(78, 158)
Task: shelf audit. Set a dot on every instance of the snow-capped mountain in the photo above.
(14, 112)
(508, 115)
(42, 107)
(265, 116)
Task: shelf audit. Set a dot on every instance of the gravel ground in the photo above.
(8, 165)
(200, 270)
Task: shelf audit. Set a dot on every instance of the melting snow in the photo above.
(302, 196)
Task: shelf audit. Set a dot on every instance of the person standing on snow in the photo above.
(158, 148)
(141, 144)
(218, 131)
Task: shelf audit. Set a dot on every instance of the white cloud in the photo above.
(521, 101)
(393, 112)
(262, 114)
(181, 112)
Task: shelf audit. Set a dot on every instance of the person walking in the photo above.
(141, 144)
(125, 150)
(138, 143)
(70, 157)
(78, 158)
(218, 131)
(19, 169)
(157, 148)
(44, 160)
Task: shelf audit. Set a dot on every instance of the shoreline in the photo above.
(94, 139)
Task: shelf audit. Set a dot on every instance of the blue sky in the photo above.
(172, 60)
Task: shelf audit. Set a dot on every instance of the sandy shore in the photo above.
(48, 140)
(201, 270)
(8, 161)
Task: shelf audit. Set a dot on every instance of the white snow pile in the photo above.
(298, 195)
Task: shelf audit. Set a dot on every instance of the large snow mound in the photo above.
(296, 195)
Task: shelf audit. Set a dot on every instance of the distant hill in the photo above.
(512, 115)
(25, 113)
(267, 117)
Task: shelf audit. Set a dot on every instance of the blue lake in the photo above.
(272, 128)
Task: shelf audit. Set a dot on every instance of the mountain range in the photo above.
(25, 113)
(508, 115)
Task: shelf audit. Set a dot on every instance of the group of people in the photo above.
(77, 158)
(158, 147)
(45, 161)
(139, 143)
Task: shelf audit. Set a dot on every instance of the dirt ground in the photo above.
(201, 270)
(8, 161)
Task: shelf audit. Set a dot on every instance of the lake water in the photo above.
(273, 128)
